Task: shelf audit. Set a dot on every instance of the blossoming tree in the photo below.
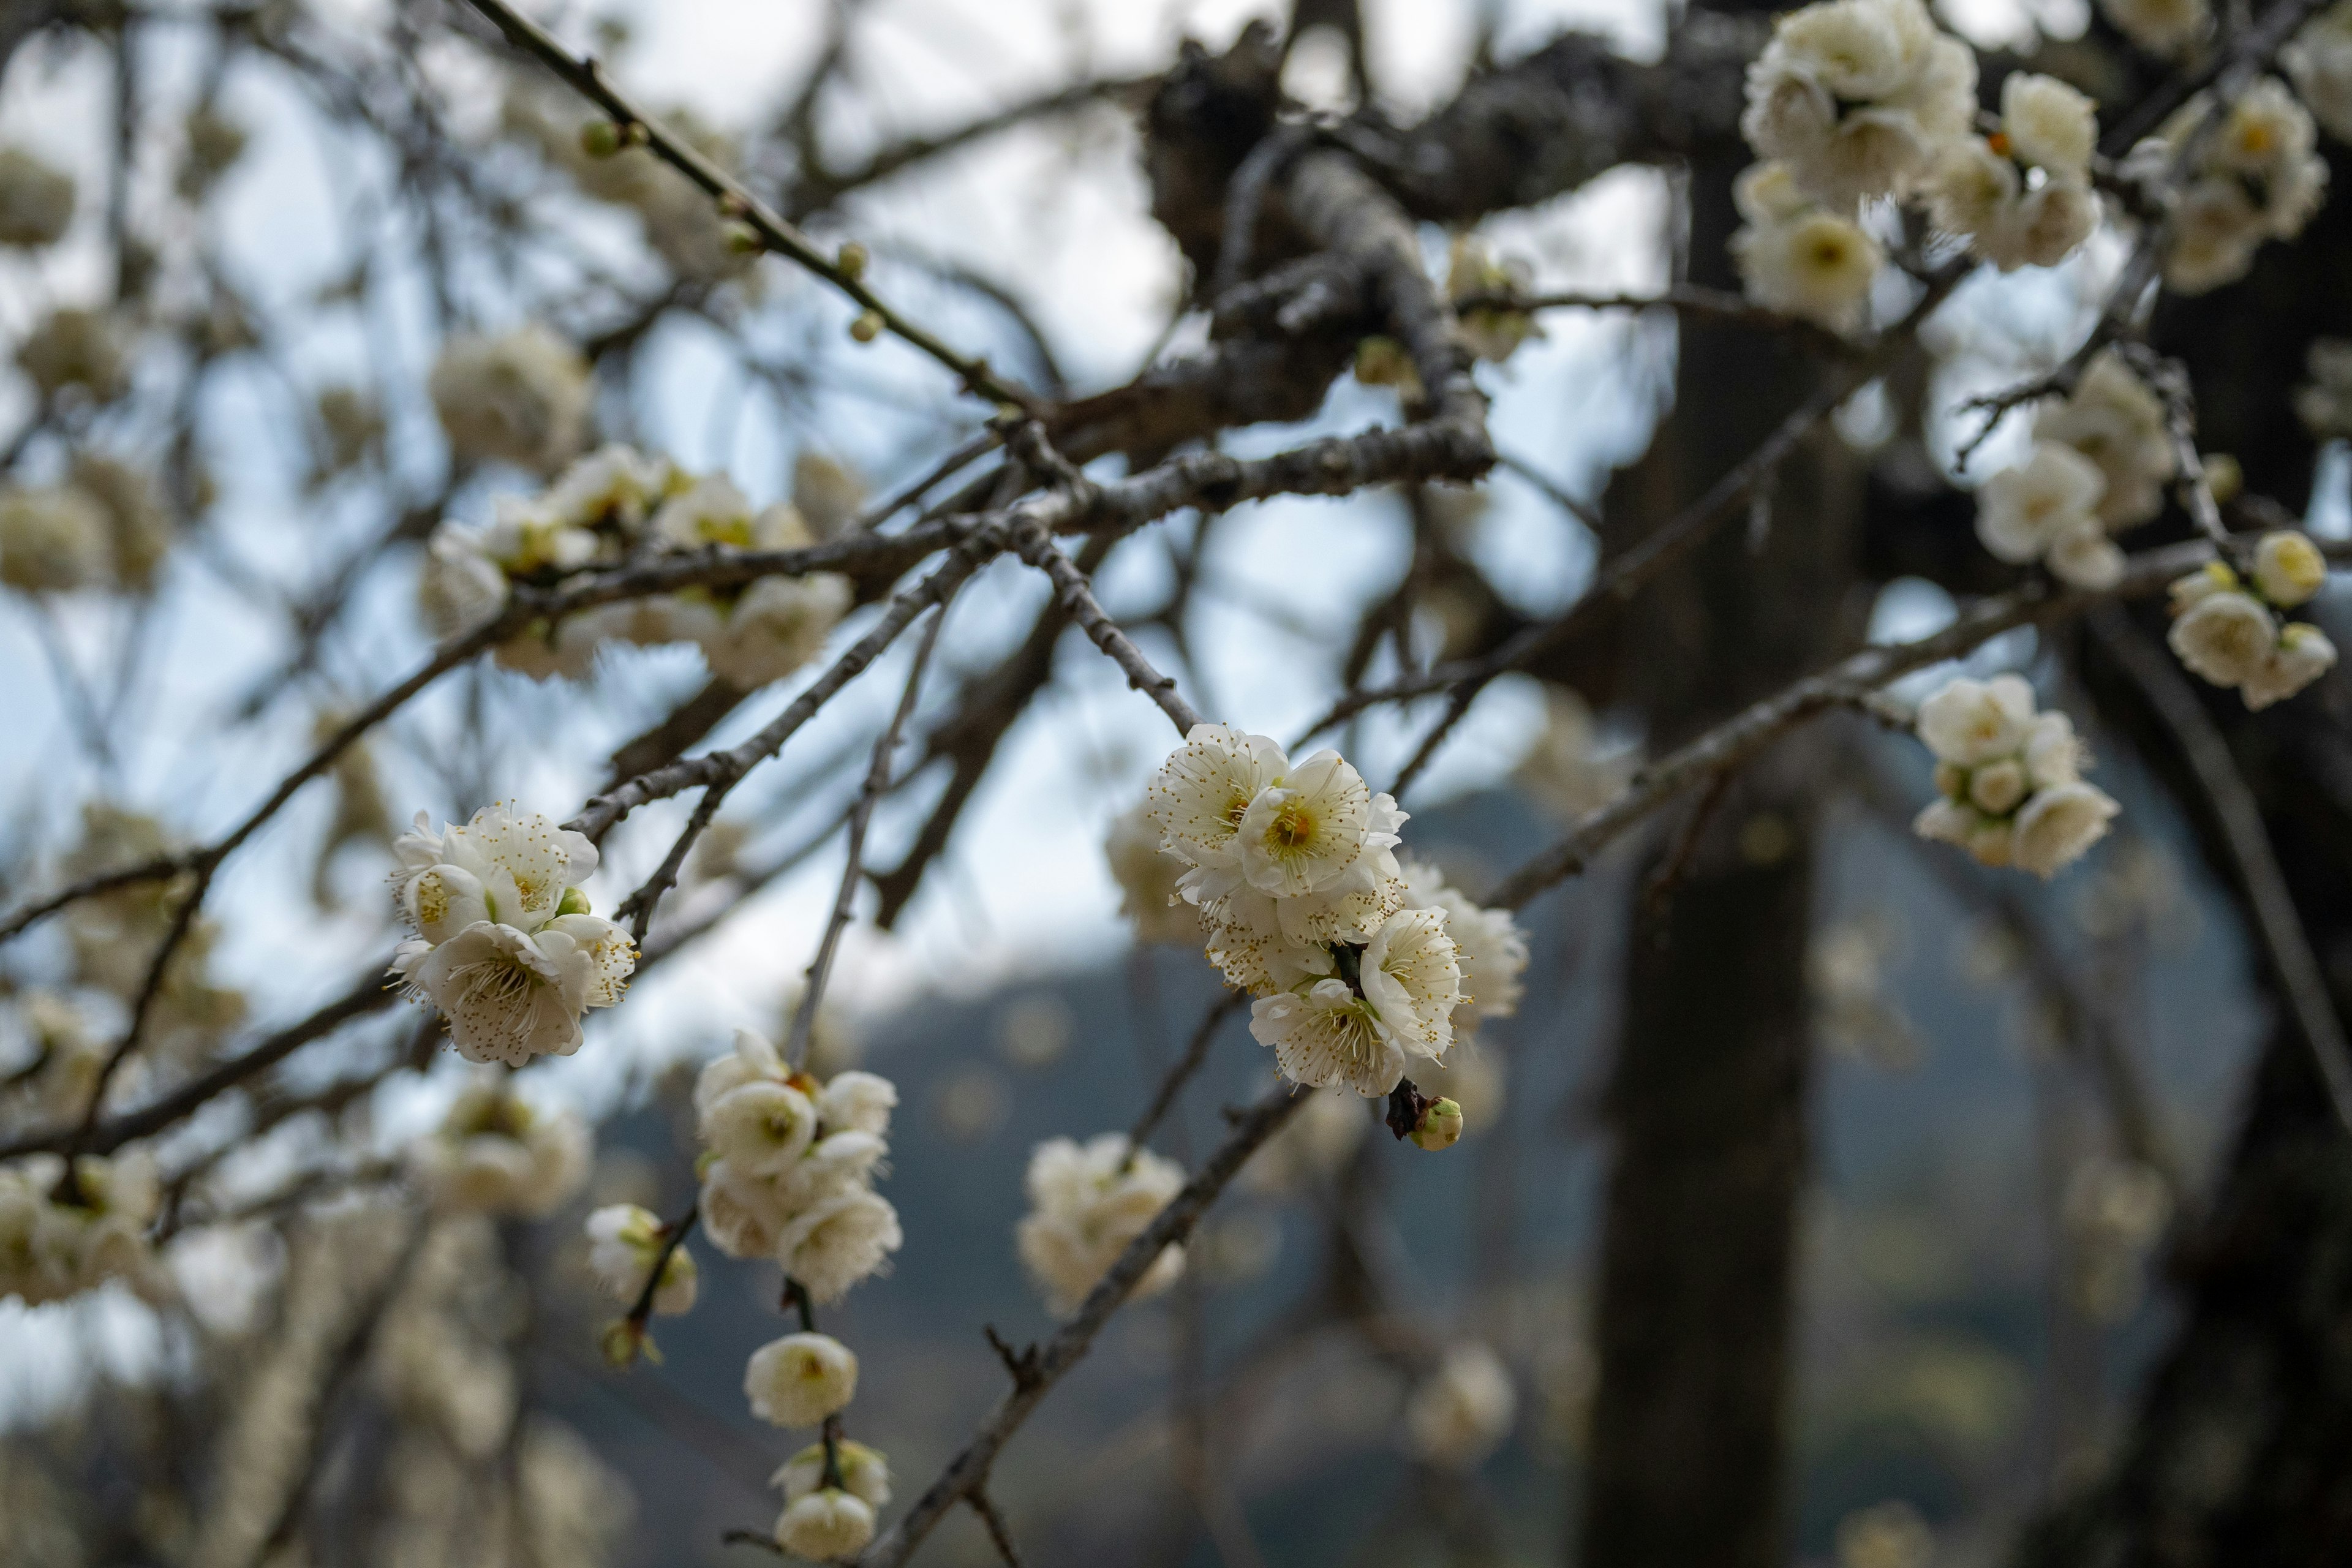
(473, 416)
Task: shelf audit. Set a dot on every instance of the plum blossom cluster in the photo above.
(833, 1488)
(2159, 26)
(495, 1153)
(1293, 871)
(504, 946)
(2023, 195)
(1855, 101)
(2011, 779)
(2232, 629)
(2098, 465)
(1857, 97)
(102, 525)
(1086, 1203)
(518, 397)
(626, 1243)
(789, 1167)
(2260, 177)
(616, 507)
(59, 1239)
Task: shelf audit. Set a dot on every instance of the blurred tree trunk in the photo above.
(1706, 1109)
(2241, 1450)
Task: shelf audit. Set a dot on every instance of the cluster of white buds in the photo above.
(1799, 257)
(2011, 783)
(2113, 419)
(102, 527)
(59, 1239)
(1463, 1410)
(829, 1519)
(1493, 332)
(519, 397)
(789, 1165)
(626, 1243)
(615, 506)
(1086, 1203)
(37, 200)
(1292, 869)
(2232, 630)
(2260, 177)
(2023, 195)
(2318, 61)
(495, 1153)
(504, 946)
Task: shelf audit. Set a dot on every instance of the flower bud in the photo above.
(743, 239)
(800, 1379)
(852, 260)
(826, 1526)
(2288, 568)
(623, 1340)
(1995, 787)
(602, 138)
(867, 327)
(1440, 1126)
(1951, 780)
(635, 134)
(573, 902)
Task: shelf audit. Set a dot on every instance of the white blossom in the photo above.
(496, 1154)
(2225, 636)
(2048, 124)
(858, 1102)
(505, 948)
(1086, 1203)
(519, 397)
(1463, 1412)
(2288, 568)
(56, 1243)
(2112, 418)
(1487, 943)
(760, 1129)
(2023, 512)
(774, 626)
(1147, 876)
(1970, 721)
(1855, 95)
(1411, 979)
(2058, 825)
(2257, 178)
(865, 1473)
(1816, 266)
(1324, 1036)
(800, 1379)
(838, 1241)
(624, 1242)
(2304, 653)
(826, 1526)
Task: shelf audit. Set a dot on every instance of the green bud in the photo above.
(1440, 1125)
(623, 1342)
(602, 138)
(573, 902)
(743, 239)
(867, 327)
(851, 259)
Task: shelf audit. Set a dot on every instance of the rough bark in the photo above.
(1706, 1106)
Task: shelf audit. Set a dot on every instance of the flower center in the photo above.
(1292, 827)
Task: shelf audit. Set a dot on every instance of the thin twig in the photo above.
(2277, 925)
(877, 781)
